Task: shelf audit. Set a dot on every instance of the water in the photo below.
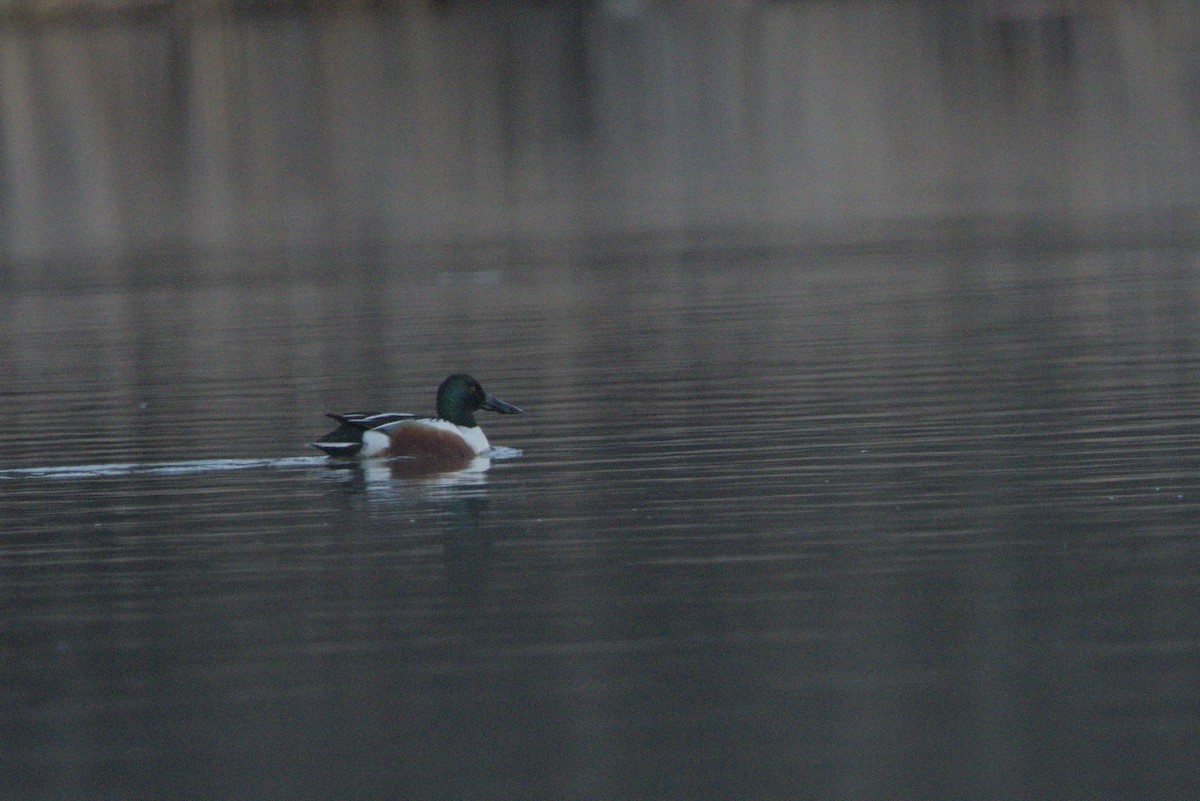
(858, 345)
(775, 524)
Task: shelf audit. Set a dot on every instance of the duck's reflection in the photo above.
(392, 477)
(436, 471)
(447, 494)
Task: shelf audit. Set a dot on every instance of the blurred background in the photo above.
(130, 130)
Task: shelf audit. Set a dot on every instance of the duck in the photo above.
(452, 435)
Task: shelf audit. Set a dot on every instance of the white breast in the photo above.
(474, 437)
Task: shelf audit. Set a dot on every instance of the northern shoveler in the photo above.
(453, 434)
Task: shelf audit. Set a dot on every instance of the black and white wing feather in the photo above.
(346, 440)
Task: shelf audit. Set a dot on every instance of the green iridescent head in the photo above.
(460, 395)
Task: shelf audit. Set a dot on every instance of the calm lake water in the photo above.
(776, 524)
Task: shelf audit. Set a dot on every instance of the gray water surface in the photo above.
(775, 524)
